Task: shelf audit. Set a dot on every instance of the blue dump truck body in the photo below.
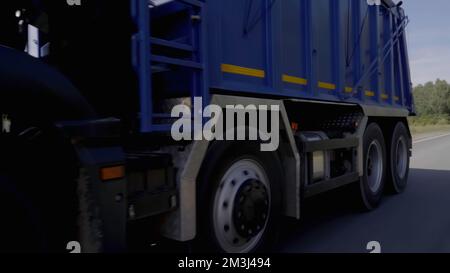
(333, 74)
(339, 51)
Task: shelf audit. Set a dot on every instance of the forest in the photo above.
(432, 103)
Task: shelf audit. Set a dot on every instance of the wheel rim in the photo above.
(374, 166)
(241, 207)
(401, 157)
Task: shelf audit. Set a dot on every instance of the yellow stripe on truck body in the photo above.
(326, 85)
(295, 80)
(239, 70)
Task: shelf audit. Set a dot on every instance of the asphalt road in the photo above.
(416, 221)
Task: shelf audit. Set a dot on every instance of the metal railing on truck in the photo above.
(394, 43)
(177, 52)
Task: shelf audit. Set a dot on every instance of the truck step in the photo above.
(141, 161)
(329, 144)
(308, 142)
(150, 184)
(331, 184)
(176, 62)
(171, 44)
(150, 204)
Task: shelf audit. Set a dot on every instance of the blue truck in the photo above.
(87, 92)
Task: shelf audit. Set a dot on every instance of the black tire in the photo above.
(21, 229)
(399, 159)
(38, 186)
(220, 158)
(373, 181)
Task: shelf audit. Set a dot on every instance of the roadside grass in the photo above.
(416, 130)
(429, 124)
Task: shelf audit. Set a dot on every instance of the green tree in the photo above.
(432, 102)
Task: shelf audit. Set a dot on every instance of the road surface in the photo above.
(415, 221)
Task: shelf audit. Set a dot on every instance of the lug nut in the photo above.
(119, 198)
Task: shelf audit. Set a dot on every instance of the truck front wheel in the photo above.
(37, 189)
(240, 197)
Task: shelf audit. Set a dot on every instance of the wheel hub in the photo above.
(374, 166)
(241, 206)
(402, 158)
(370, 167)
(251, 208)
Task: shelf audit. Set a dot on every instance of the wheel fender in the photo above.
(30, 86)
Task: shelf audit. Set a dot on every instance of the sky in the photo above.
(428, 36)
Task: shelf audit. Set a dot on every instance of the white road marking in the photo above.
(430, 138)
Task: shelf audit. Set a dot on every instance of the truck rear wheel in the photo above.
(20, 230)
(240, 197)
(373, 181)
(399, 159)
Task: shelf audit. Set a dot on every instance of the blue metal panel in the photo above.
(322, 42)
(293, 43)
(389, 72)
(358, 28)
(312, 49)
(245, 40)
(408, 100)
(373, 93)
(141, 60)
(309, 64)
(337, 37)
